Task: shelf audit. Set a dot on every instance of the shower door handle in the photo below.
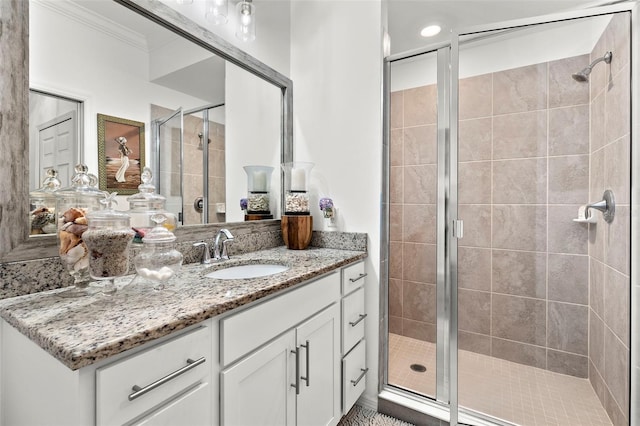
(458, 229)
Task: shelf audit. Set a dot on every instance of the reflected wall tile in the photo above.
(395, 325)
(420, 223)
(618, 41)
(519, 318)
(617, 242)
(596, 182)
(396, 148)
(520, 89)
(474, 268)
(617, 417)
(567, 363)
(519, 227)
(564, 90)
(397, 110)
(616, 369)
(520, 273)
(472, 342)
(474, 182)
(617, 169)
(396, 184)
(596, 342)
(477, 225)
(565, 235)
(395, 260)
(617, 111)
(597, 382)
(419, 330)
(617, 303)
(569, 179)
(396, 212)
(521, 135)
(395, 297)
(420, 145)
(475, 96)
(419, 301)
(568, 327)
(569, 130)
(474, 139)
(474, 311)
(600, 74)
(569, 278)
(521, 353)
(520, 181)
(597, 122)
(420, 184)
(419, 262)
(420, 106)
(596, 286)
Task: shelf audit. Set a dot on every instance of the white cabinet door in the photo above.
(258, 390)
(192, 408)
(318, 340)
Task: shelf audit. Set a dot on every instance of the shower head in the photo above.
(583, 76)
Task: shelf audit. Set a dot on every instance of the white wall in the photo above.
(337, 74)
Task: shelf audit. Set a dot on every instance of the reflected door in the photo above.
(167, 136)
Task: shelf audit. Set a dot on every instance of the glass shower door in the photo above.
(167, 137)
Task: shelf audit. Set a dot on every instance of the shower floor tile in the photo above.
(513, 392)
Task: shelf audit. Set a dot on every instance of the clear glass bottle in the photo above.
(158, 259)
(72, 206)
(42, 205)
(108, 239)
(145, 204)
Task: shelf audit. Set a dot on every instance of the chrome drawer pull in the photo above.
(306, 379)
(297, 383)
(191, 364)
(353, 280)
(364, 372)
(356, 322)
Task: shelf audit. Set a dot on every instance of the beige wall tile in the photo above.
(474, 268)
(520, 181)
(474, 139)
(568, 327)
(617, 114)
(395, 325)
(396, 184)
(568, 278)
(616, 368)
(420, 145)
(477, 225)
(596, 342)
(474, 182)
(569, 130)
(395, 297)
(597, 122)
(396, 215)
(396, 109)
(520, 227)
(520, 89)
(419, 301)
(420, 106)
(569, 179)
(420, 184)
(419, 223)
(472, 342)
(596, 181)
(564, 90)
(474, 311)
(395, 260)
(600, 73)
(534, 356)
(419, 262)
(597, 382)
(617, 242)
(618, 41)
(565, 235)
(521, 135)
(616, 304)
(475, 96)
(617, 169)
(419, 330)
(567, 363)
(596, 286)
(396, 147)
(520, 319)
(519, 273)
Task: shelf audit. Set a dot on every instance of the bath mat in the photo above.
(360, 416)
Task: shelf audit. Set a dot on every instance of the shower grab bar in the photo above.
(607, 206)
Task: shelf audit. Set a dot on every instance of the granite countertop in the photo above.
(81, 331)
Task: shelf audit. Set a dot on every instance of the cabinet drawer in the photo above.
(249, 329)
(353, 277)
(353, 318)
(354, 376)
(116, 402)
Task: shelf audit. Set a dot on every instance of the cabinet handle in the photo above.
(297, 383)
(361, 276)
(306, 379)
(364, 372)
(138, 391)
(360, 318)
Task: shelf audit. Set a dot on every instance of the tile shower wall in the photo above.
(609, 244)
(523, 173)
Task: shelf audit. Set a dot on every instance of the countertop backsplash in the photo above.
(33, 276)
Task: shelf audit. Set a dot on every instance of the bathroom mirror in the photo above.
(110, 92)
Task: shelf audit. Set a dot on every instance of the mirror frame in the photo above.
(15, 243)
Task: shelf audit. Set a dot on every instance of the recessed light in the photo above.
(430, 30)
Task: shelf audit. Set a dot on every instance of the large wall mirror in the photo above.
(141, 61)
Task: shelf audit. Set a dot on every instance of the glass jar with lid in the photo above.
(158, 259)
(108, 240)
(42, 205)
(145, 204)
(72, 206)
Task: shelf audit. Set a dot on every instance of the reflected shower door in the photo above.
(167, 137)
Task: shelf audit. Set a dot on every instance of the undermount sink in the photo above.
(246, 271)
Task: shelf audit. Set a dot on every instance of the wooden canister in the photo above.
(297, 231)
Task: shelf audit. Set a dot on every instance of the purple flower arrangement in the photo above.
(243, 203)
(326, 205)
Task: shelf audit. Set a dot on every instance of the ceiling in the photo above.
(407, 17)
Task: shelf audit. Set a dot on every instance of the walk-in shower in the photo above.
(516, 303)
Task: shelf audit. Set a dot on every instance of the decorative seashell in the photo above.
(72, 214)
(76, 229)
(66, 226)
(76, 253)
(81, 221)
(68, 241)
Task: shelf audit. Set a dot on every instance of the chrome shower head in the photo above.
(583, 76)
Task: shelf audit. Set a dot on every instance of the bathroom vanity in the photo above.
(281, 349)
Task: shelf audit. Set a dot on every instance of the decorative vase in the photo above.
(296, 231)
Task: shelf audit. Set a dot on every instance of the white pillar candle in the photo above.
(298, 180)
(259, 181)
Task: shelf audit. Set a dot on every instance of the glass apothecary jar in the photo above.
(42, 202)
(108, 240)
(145, 204)
(258, 189)
(158, 259)
(72, 206)
(296, 178)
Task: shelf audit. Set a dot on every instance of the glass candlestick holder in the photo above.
(296, 178)
(258, 190)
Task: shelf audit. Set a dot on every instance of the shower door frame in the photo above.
(449, 228)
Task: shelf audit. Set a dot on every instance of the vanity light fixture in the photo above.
(430, 30)
(216, 11)
(246, 26)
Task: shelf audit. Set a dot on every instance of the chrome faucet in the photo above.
(216, 245)
(206, 255)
